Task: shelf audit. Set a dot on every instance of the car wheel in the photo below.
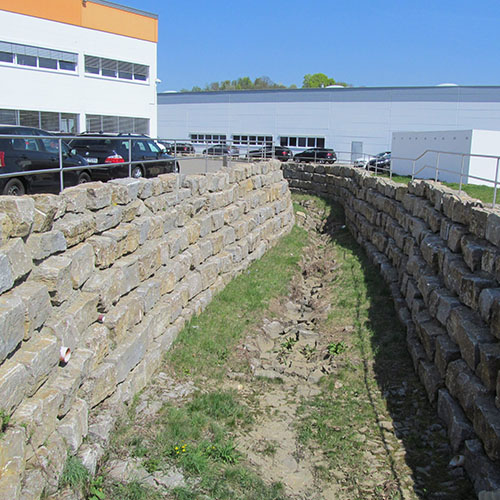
(83, 178)
(14, 187)
(137, 172)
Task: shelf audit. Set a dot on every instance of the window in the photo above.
(117, 124)
(253, 140)
(50, 121)
(303, 142)
(207, 138)
(112, 68)
(29, 55)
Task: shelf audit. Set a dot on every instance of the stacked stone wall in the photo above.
(439, 253)
(111, 272)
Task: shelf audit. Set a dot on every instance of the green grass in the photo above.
(204, 345)
(483, 193)
(74, 474)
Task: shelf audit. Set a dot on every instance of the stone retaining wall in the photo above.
(112, 272)
(439, 253)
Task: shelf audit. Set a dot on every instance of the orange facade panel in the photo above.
(87, 14)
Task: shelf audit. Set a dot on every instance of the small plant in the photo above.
(335, 348)
(308, 351)
(74, 474)
(4, 421)
(269, 449)
(223, 452)
(289, 343)
(96, 489)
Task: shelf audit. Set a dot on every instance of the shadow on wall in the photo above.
(383, 345)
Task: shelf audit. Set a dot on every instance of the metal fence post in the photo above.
(130, 157)
(437, 167)
(413, 170)
(496, 184)
(206, 160)
(61, 175)
(461, 175)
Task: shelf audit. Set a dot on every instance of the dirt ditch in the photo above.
(334, 417)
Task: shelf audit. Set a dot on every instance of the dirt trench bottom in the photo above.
(318, 430)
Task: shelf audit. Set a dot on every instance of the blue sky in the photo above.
(365, 43)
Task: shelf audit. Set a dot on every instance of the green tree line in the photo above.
(316, 80)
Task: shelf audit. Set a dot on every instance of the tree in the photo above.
(318, 80)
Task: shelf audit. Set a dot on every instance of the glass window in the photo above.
(302, 142)
(50, 121)
(92, 65)
(141, 146)
(25, 60)
(141, 72)
(6, 57)
(293, 141)
(67, 65)
(311, 142)
(284, 141)
(320, 142)
(29, 118)
(8, 116)
(125, 70)
(109, 67)
(69, 123)
(51, 145)
(153, 147)
(44, 62)
(31, 144)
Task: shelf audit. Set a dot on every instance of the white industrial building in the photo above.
(78, 66)
(350, 120)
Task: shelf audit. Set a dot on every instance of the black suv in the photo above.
(36, 149)
(318, 155)
(112, 151)
(280, 153)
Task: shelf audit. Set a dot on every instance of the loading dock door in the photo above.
(356, 150)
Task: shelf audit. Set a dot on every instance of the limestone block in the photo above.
(441, 304)
(473, 251)
(51, 458)
(458, 426)
(194, 283)
(487, 425)
(453, 270)
(69, 378)
(178, 241)
(196, 256)
(99, 385)
(126, 237)
(76, 227)
(74, 426)
(489, 365)
(32, 485)
(149, 294)
(133, 210)
(39, 356)
(157, 203)
(472, 286)
(39, 416)
(14, 383)
(98, 195)
(48, 207)
(464, 386)
(97, 339)
(486, 299)
(483, 472)
(83, 310)
(90, 455)
(431, 379)
(121, 318)
(12, 316)
(456, 233)
(130, 271)
(228, 235)
(426, 284)
(19, 257)
(209, 272)
(217, 241)
(75, 198)
(446, 352)
(149, 258)
(468, 331)
(167, 277)
(181, 265)
(63, 326)
(428, 332)
(12, 452)
(217, 220)
(108, 284)
(107, 218)
(129, 353)
(492, 227)
(6, 274)
(124, 191)
(21, 211)
(495, 317)
(175, 303)
(42, 245)
(205, 223)
(431, 247)
(36, 299)
(105, 250)
(478, 221)
(82, 263)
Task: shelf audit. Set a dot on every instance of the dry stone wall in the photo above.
(440, 255)
(111, 272)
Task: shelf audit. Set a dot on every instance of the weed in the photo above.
(336, 348)
(308, 351)
(289, 343)
(74, 475)
(4, 421)
(269, 448)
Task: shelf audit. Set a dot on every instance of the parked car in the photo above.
(281, 153)
(221, 150)
(362, 161)
(180, 148)
(112, 151)
(384, 162)
(319, 155)
(39, 152)
(372, 163)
